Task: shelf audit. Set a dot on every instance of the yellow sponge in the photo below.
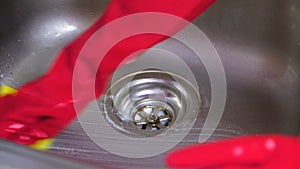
(41, 145)
(6, 90)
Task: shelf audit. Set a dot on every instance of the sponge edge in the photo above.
(6, 90)
(41, 145)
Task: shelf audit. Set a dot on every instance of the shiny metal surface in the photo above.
(14, 156)
(158, 118)
(147, 103)
(258, 42)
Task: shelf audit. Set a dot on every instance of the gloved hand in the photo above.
(249, 152)
(42, 108)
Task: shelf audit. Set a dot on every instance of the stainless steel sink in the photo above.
(258, 42)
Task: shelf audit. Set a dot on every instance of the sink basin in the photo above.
(258, 43)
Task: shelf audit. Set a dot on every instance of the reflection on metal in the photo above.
(151, 102)
(257, 47)
(152, 118)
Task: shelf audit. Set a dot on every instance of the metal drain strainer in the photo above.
(148, 103)
(152, 118)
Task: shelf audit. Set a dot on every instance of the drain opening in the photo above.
(152, 118)
(148, 103)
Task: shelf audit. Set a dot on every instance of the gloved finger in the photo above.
(245, 151)
(14, 131)
(234, 167)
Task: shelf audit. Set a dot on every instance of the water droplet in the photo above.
(270, 144)
(16, 126)
(25, 138)
(238, 151)
(38, 133)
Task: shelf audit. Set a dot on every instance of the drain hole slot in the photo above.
(152, 118)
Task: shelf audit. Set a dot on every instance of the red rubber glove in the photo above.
(250, 152)
(42, 108)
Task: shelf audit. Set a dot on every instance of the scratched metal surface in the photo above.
(258, 43)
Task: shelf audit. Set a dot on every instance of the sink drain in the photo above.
(149, 103)
(152, 118)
